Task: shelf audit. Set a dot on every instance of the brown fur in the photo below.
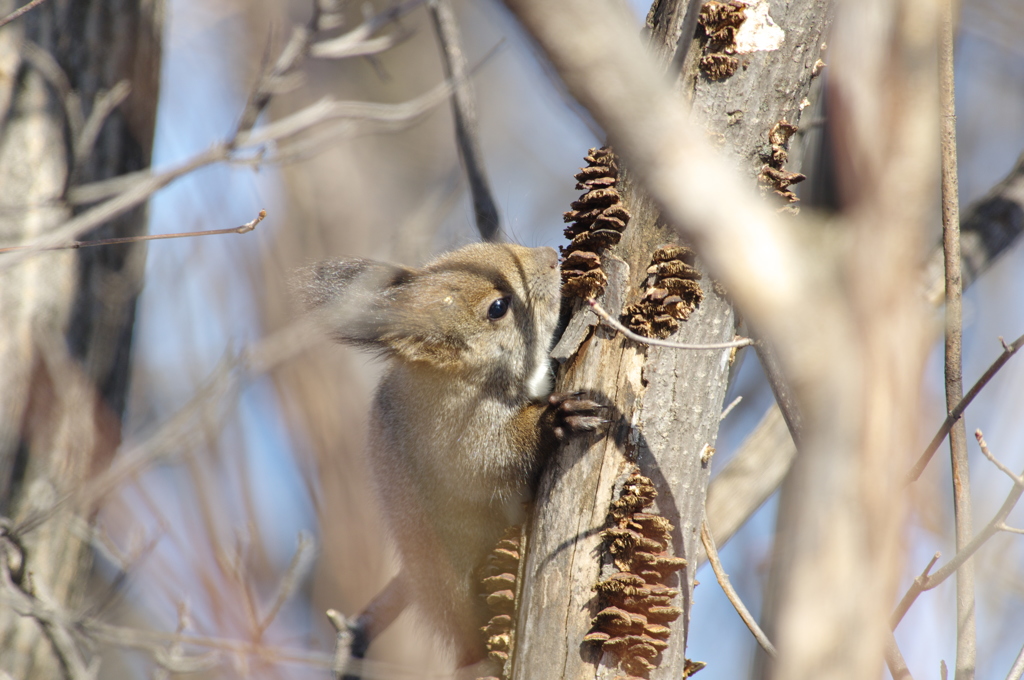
(460, 423)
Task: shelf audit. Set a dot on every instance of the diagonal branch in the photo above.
(958, 410)
(730, 592)
(453, 59)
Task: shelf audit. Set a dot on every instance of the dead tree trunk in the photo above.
(67, 315)
(667, 402)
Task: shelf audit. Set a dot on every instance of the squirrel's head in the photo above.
(486, 312)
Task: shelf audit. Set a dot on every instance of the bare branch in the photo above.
(175, 434)
(327, 110)
(28, 601)
(243, 229)
(911, 595)
(464, 114)
(894, 659)
(1017, 670)
(611, 322)
(966, 634)
(989, 228)
(144, 185)
(48, 67)
(297, 571)
(957, 411)
(728, 409)
(358, 41)
(269, 83)
(1018, 480)
(24, 9)
(155, 642)
(104, 105)
(750, 477)
(996, 524)
(730, 592)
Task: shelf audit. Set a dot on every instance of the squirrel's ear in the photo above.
(352, 298)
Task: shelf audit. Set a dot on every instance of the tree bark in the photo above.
(667, 402)
(67, 315)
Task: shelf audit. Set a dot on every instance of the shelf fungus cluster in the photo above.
(499, 591)
(597, 220)
(720, 21)
(635, 601)
(774, 174)
(671, 293)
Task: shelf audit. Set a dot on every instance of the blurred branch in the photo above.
(359, 42)
(104, 105)
(21, 595)
(213, 398)
(453, 59)
(730, 592)
(155, 642)
(24, 9)
(992, 225)
(1017, 670)
(750, 477)
(47, 66)
(69, 633)
(297, 571)
(243, 229)
(125, 193)
(271, 82)
(995, 525)
(957, 411)
(144, 185)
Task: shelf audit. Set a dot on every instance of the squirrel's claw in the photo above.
(573, 415)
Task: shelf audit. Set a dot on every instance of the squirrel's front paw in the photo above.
(572, 414)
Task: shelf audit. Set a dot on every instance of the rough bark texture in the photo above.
(667, 401)
(67, 316)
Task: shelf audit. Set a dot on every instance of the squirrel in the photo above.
(462, 419)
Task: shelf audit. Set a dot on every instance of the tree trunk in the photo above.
(67, 315)
(667, 402)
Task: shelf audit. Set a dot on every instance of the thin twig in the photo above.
(104, 105)
(610, 321)
(1017, 670)
(957, 411)
(358, 42)
(730, 592)
(16, 14)
(966, 634)
(148, 184)
(178, 432)
(983, 445)
(52, 72)
(915, 589)
(268, 84)
(242, 229)
(464, 114)
(995, 525)
(735, 402)
(297, 571)
(26, 600)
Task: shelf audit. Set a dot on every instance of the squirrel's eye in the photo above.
(499, 308)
